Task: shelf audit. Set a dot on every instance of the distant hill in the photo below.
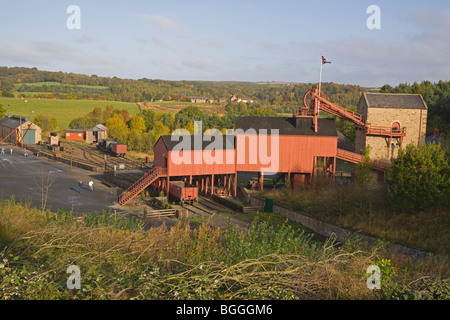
(31, 82)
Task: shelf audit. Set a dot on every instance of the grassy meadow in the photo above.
(63, 111)
(118, 259)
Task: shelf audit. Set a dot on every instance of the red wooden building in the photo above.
(292, 147)
(206, 161)
(75, 134)
(296, 153)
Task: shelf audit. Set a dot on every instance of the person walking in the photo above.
(80, 185)
(91, 185)
(3, 150)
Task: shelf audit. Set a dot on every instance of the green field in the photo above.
(63, 111)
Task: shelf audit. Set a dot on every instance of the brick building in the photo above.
(403, 113)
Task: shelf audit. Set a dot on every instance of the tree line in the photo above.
(140, 132)
(280, 97)
(437, 98)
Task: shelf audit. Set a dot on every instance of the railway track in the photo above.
(213, 205)
(206, 206)
(95, 157)
(195, 210)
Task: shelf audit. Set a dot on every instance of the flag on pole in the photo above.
(325, 60)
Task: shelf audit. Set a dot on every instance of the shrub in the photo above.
(419, 178)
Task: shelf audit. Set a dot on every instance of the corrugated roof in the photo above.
(170, 141)
(98, 127)
(394, 100)
(287, 126)
(74, 131)
(12, 122)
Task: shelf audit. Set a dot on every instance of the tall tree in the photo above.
(117, 128)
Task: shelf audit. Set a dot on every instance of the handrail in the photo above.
(140, 184)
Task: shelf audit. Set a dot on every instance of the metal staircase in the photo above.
(141, 184)
(358, 158)
(341, 112)
(314, 101)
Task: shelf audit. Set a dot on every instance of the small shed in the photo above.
(96, 133)
(14, 127)
(74, 134)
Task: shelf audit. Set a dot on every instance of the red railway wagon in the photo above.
(182, 192)
(118, 149)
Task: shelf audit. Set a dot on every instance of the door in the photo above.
(30, 137)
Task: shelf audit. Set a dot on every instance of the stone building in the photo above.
(393, 121)
(17, 129)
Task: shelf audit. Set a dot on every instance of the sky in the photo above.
(246, 40)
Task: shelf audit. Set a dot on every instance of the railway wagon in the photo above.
(117, 149)
(112, 147)
(183, 192)
(103, 144)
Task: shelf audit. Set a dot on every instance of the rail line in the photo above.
(94, 157)
(195, 210)
(206, 206)
(213, 205)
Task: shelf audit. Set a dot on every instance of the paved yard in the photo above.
(26, 177)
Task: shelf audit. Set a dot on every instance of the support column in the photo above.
(203, 185)
(212, 185)
(167, 187)
(261, 180)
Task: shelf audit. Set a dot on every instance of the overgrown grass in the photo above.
(370, 213)
(122, 261)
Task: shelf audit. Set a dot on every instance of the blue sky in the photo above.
(245, 40)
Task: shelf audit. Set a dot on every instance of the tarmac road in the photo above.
(27, 177)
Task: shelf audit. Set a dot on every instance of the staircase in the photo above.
(358, 158)
(141, 184)
(341, 112)
(358, 120)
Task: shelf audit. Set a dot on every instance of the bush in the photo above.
(419, 178)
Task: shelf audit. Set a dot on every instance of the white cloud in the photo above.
(160, 42)
(200, 63)
(163, 21)
(86, 38)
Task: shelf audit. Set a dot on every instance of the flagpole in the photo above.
(320, 82)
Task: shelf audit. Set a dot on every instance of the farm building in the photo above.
(96, 133)
(75, 134)
(404, 115)
(17, 129)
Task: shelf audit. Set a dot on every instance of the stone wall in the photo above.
(415, 121)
